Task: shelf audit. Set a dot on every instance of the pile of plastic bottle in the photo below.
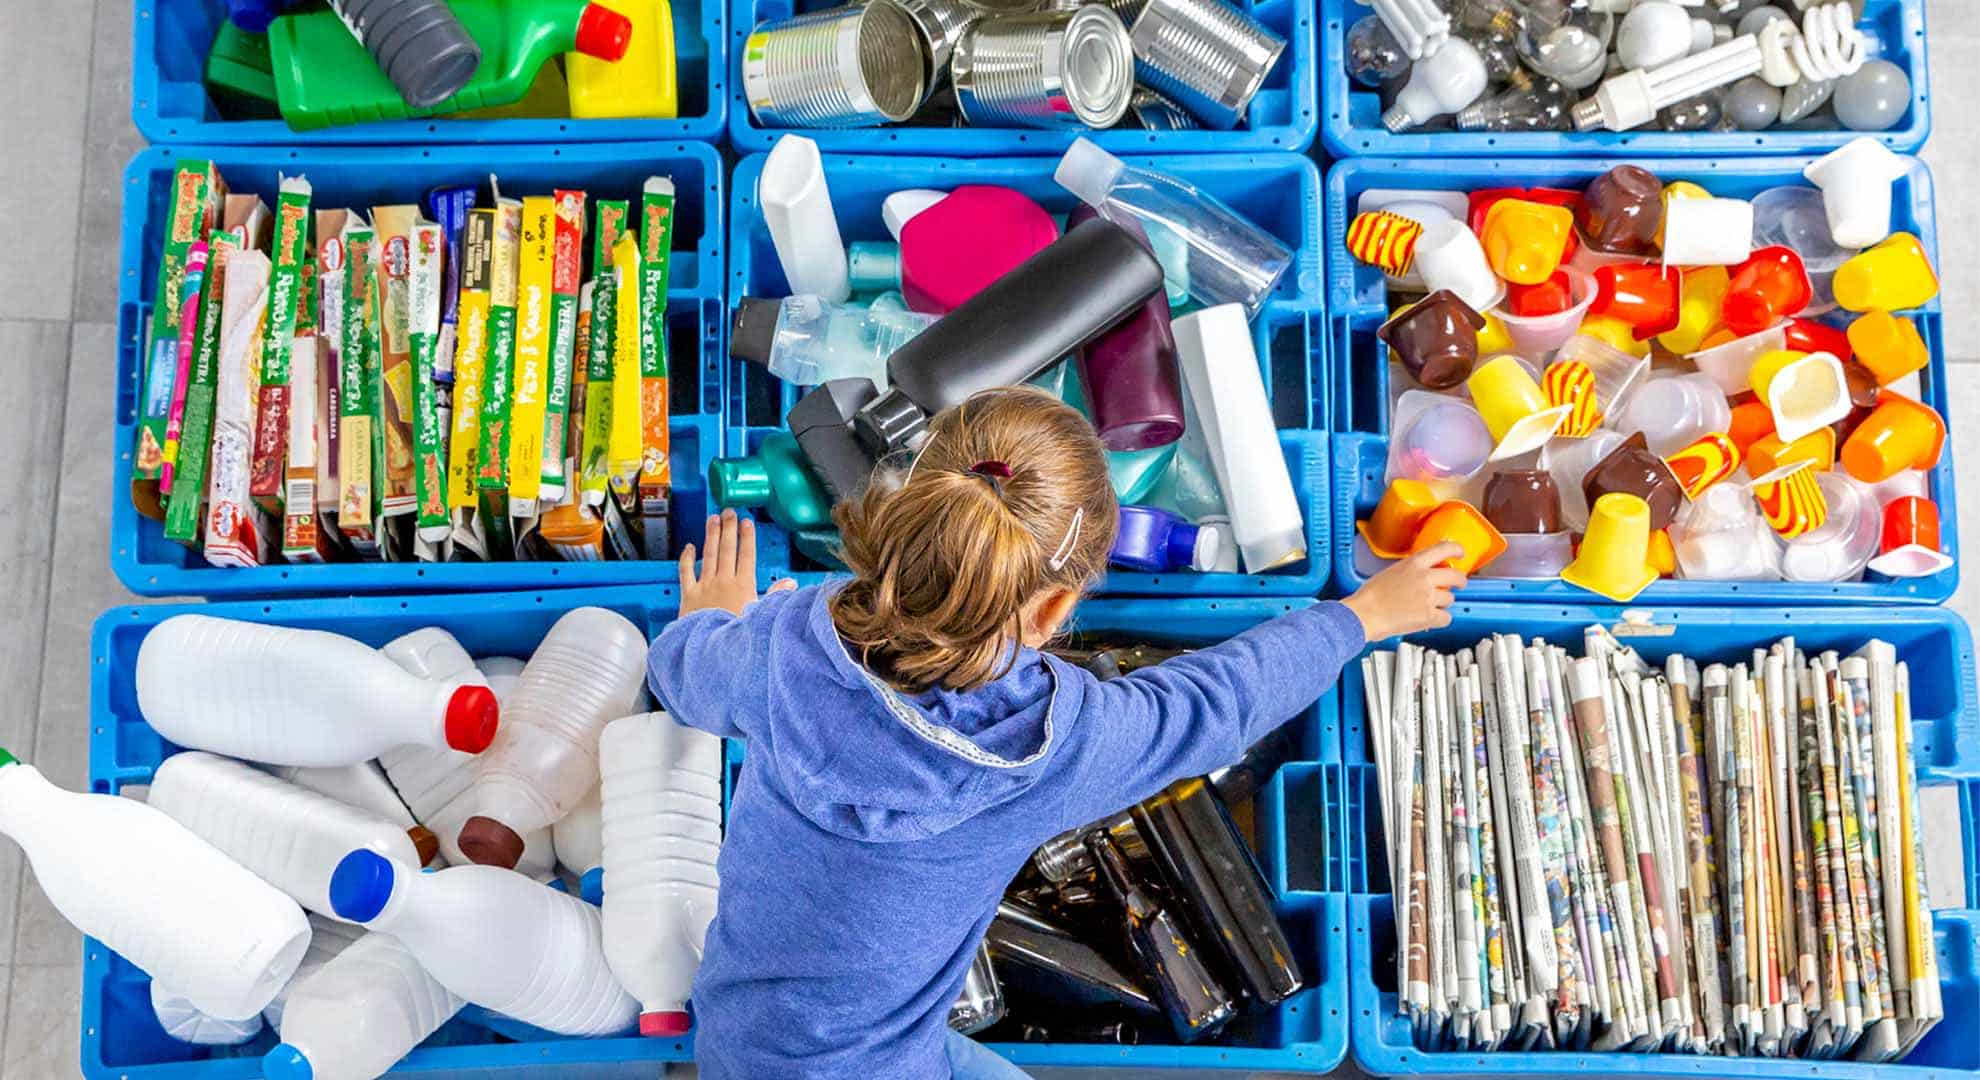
(1151, 284)
(1582, 65)
(279, 853)
(1640, 380)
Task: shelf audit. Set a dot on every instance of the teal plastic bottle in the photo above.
(776, 477)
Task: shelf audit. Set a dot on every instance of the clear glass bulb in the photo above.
(1566, 41)
(1539, 105)
(1698, 113)
(1373, 54)
(1501, 57)
(1498, 20)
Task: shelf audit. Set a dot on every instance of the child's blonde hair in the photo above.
(1008, 498)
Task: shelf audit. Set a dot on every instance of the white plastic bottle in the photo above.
(290, 836)
(183, 1021)
(580, 844)
(494, 938)
(127, 875)
(797, 205)
(586, 673)
(328, 937)
(364, 787)
(502, 673)
(282, 696)
(1232, 260)
(1220, 370)
(662, 796)
(355, 1017)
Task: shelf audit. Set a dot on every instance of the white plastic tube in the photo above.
(797, 205)
(1220, 369)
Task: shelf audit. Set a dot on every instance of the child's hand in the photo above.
(728, 575)
(1408, 596)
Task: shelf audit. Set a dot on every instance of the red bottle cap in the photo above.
(472, 715)
(663, 1025)
(488, 842)
(603, 33)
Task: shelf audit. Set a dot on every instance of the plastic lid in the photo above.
(425, 844)
(890, 422)
(7, 757)
(664, 1025)
(1088, 171)
(489, 843)
(739, 481)
(603, 33)
(285, 1062)
(361, 885)
(1204, 549)
(472, 716)
(754, 329)
(898, 209)
(591, 885)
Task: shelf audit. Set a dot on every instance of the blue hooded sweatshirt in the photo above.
(872, 832)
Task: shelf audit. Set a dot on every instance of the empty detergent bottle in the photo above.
(805, 341)
(1197, 1005)
(1220, 370)
(290, 836)
(585, 674)
(328, 936)
(1154, 541)
(183, 1021)
(1057, 301)
(325, 76)
(550, 968)
(1128, 374)
(146, 886)
(971, 237)
(579, 841)
(662, 795)
(358, 1014)
(297, 697)
(418, 44)
(777, 477)
(822, 421)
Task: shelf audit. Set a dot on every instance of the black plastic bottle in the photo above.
(1197, 1004)
(1054, 302)
(822, 422)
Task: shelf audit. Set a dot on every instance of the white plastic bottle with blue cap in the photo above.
(580, 844)
(662, 796)
(328, 937)
(549, 969)
(358, 1014)
(282, 696)
(162, 898)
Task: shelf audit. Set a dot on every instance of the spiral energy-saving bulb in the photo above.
(1444, 82)
(1420, 26)
(1631, 99)
(1543, 106)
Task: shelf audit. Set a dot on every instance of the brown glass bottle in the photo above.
(1173, 964)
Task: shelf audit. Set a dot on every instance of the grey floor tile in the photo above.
(43, 1019)
(44, 78)
(1963, 404)
(42, 937)
(34, 357)
(1954, 160)
(112, 142)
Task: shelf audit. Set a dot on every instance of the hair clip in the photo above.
(992, 467)
(1059, 557)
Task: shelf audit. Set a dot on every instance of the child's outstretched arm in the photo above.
(703, 663)
(1198, 712)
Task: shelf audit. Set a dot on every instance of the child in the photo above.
(909, 746)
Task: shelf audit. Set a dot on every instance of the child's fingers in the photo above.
(1445, 577)
(687, 567)
(1439, 619)
(746, 547)
(711, 538)
(783, 585)
(725, 552)
(1442, 598)
(1441, 553)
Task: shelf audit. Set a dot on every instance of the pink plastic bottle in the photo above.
(976, 235)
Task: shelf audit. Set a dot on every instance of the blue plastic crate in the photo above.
(1353, 114)
(169, 102)
(1358, 305)
(1295, 817)
(150, 565)
(1283, 116)
(1946, 742)
(1278, 191)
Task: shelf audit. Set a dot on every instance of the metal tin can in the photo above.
(1126, 9)
(1047, 70)
(844, 67)
(1205, 55)
(1158, 113)
(943, 24)
(1005, 7)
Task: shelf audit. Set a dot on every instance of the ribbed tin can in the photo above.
(1006, 7)
(1158, 113)
(844, 67)
(942, 23)
(1126, 9)
(1048, 70)
(1205, 55)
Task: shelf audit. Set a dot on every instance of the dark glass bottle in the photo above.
(1040, 961)
(1197, 1004)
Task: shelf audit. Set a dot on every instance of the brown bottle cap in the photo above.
(491, 843)
(425, 844)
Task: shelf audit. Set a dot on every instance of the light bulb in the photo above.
(1752, 104)
(1542, 106)
(1875, 98)
(1798, 102)
(1444, 82)
(1631, 99)
(1373, 55)
(1567, 42)
(1699, 113)
(1495, 19)
(1420, 26)
(1657, 32)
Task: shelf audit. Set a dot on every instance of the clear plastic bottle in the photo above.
(355, 1017)
(183, 1021)
(662, 792)
(282, 696)
(805, 341)
(587, 672)
(1231, 260)
(146, 886)
(549, 968)
(580, 845)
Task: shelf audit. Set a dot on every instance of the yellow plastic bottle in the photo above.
(643, 83)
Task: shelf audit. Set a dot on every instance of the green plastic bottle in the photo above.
(325, 77)
(775, 476)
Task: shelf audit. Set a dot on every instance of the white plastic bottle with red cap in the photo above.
(290, 836)
(169, 902)
(492, 937)
(585, 674)
(579, 839)
(283, 696)
(357, 1015)
(662, 805)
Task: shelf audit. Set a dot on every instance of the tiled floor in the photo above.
(65, 79)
